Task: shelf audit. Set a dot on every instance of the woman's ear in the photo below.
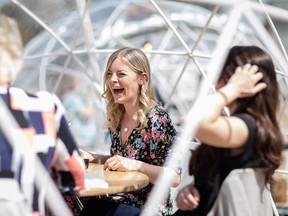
(143, 78)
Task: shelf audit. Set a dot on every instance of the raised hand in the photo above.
(246, 81)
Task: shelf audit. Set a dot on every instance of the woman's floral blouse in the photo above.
(151, 145)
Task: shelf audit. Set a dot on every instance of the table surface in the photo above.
(117, 181)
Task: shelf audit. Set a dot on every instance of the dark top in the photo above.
(246, 159)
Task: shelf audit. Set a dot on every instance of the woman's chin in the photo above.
(119, 101)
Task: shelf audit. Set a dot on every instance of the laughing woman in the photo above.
(141, 131)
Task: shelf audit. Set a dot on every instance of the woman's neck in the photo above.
(131, 109)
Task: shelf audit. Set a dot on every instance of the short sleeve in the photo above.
(249, 121)
(249, 157)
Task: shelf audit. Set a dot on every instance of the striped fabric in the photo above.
(41, 118)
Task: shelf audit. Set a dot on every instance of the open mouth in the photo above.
(118, 91)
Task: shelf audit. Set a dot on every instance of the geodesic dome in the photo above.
(186, 42)
(70, 53)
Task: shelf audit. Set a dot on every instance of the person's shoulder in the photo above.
(37, 95)
(44, 94)
(247, 118)
(157, 108)
(42, 100)
(52, 99)
(48, 96)
(20, 95)
(24, 100)
(19, 91)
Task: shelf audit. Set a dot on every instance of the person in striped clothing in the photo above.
(41, 118)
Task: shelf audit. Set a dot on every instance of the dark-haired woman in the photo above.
(249, 138)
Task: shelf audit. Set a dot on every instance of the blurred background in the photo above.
(67, 44)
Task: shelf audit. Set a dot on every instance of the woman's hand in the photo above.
(119, 163)
(245, 81)
(188, 198)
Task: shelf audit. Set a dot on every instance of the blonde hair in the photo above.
(139, 63)
(11, 52)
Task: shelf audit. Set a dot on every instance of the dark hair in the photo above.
(262, 107)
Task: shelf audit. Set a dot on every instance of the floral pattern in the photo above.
(151, 145)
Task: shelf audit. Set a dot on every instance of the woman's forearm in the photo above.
(153, 172)
(214, 104)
